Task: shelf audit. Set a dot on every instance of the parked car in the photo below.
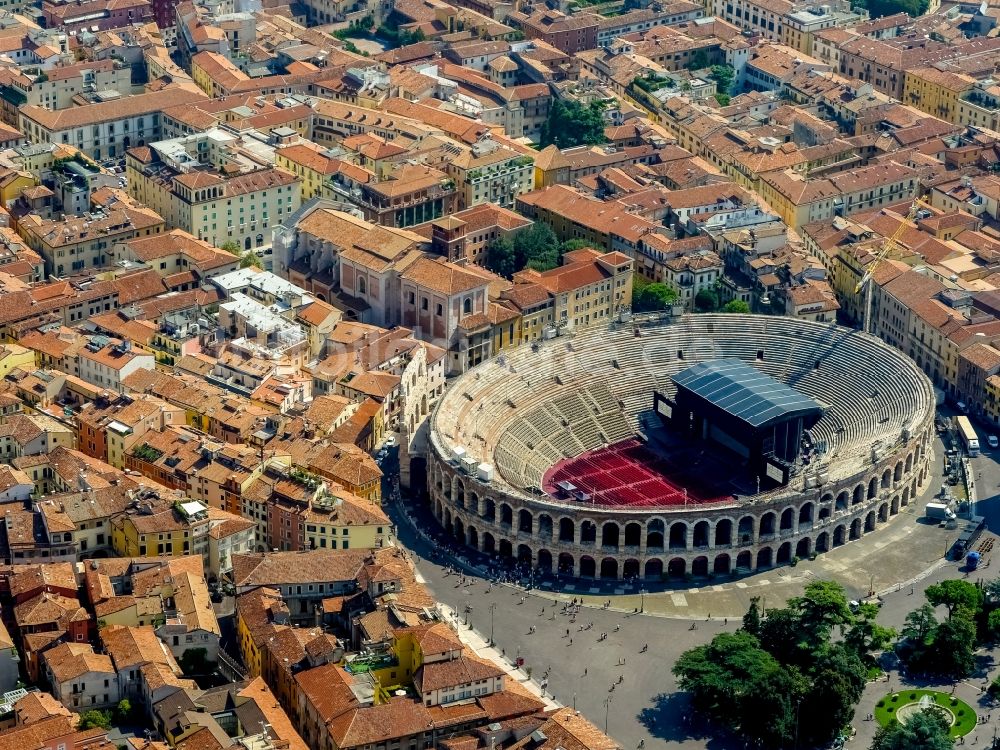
(992, 441)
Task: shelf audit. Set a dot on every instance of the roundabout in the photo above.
(903, 705)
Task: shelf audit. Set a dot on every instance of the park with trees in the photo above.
(788, 675)
(794, 675)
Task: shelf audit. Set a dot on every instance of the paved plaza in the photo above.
(612, 680)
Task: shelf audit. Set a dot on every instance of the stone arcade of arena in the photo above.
(556, 454)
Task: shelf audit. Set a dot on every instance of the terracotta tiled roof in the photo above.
(453, 673)
(276, 568)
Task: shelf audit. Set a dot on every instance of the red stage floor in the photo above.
(628, 475)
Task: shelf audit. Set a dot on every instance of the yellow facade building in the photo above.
(936, 92)
(14, 357)
(309, 162)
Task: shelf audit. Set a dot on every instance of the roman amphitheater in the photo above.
(554, 455)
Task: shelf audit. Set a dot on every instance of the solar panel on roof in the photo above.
(746, 393)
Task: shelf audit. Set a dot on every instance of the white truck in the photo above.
(939, 512)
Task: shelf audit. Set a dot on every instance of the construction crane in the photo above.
(888, 247)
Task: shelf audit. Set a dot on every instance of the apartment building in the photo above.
(799, 27)
(979, 106)
(107, 362)
(209, 185)
(883, 63)
(642, 19)
(108, 429)
(61, 86)
(937, 92)
(589, 287)
(95, 15)
(86, 242)
(800, 200)
(765, 18)
(568, 33)
(313, 165)
(175, 253)
(80, 679)
(411, 194)
(106, 129)
(467, 234)
(489, 172)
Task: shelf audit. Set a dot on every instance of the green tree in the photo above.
(992, 590)
(782, 675)
(698, 60)
(993, 624)
(723, 75)
(917, 636)
(926, 730)
(533, 247)
(194, 661)
(722, 671)
(879, 8)
(570, 245)
(250, 259)
(570, 123)
(955, 593)
(767, 710)
(919, 624)
(952, 651)
(822, 606)
(865, 635)
(736, 306)
(723, 99)
(650, 296)
(782, 636)
(706, 300)
(501, 257)
(124, 710)
(230, 247)
(838, 680)
(751, 620)
(95, 719)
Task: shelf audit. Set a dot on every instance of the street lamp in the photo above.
(607, 710)
(574, 702)
(642, 599)
(493, 608)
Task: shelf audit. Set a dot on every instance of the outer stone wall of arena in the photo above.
(882, 399)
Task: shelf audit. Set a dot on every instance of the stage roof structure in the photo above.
(745, 393)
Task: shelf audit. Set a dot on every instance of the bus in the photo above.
(968, 435)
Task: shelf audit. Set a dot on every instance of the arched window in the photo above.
(467, 306)
(362, 287)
